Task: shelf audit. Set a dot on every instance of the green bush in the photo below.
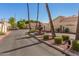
(32, 31)
(1, 33)
(75, 45)
(46, 37)
(21, 24)
(65, 37)
(58, 40)
(66, 30)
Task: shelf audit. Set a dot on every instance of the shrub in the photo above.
(46, 37)
(58, 40)
(66, 30)
(1, 33)
(32, 31)
(75, 45)
(65, 37)
(58, 30)
(21, 24)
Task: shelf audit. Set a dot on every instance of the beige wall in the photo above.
(0, 26)
(4, 27)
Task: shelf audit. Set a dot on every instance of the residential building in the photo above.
(4, 26)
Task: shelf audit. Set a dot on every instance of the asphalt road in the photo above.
(17, 38)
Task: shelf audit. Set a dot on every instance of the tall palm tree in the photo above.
(77, 29)
(50, 20)
(37, 15)
(28, 16)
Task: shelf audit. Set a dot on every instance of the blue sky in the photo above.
(19, 10)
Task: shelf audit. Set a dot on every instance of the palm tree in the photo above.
(50, 20)
(37, 15)
(28, 16)
(77, 29)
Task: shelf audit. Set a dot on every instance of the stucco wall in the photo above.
(4, 27)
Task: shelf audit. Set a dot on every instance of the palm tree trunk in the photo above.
(37, 15)
(28, 16)
(77, 29)
(50, 20)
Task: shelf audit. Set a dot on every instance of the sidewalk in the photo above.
(3, 36)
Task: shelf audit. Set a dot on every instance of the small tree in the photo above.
(21, 24)
(12, 21)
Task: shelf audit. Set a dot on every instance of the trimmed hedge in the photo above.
(32, 31)
(75, 45)
(46, 37)
(58, 40)
(65, 37)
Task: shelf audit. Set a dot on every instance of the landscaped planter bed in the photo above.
(62, 47)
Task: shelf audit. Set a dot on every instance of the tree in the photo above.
(50, 20)
(21, 24)
(12, 21)
(37, 15)
(28, 16)
(24, 20)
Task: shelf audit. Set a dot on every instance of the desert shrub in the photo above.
(75, 45)
(21, 24)
(58, 40)
(1, 33)
(66, 30)
(58, 30)
(65, 37)
(46, 37)
(32, 31)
